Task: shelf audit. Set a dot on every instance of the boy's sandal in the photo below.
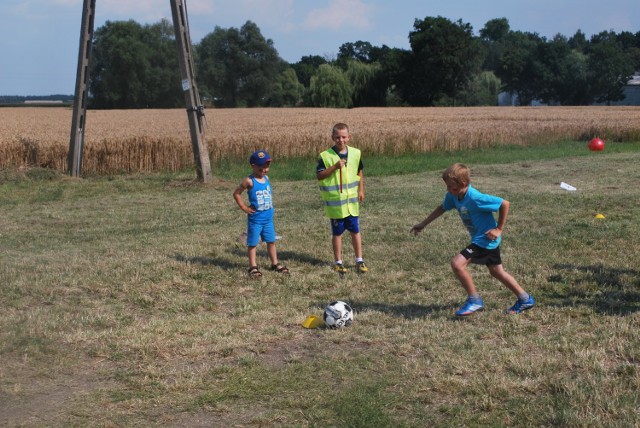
(279, 268)
(254, 272)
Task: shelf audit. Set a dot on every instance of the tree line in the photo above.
(136, 66)
(19, 99)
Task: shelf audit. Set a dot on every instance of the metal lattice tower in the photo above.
(195, 109)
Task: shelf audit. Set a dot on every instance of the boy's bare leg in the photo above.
(459, 265)
(252, 256)
(273, 255)
(336, 243)
(356, 241)
(498, 272)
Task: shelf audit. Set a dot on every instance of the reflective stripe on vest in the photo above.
(337, 188)
(341, 202)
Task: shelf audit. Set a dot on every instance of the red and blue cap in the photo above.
(260, 158)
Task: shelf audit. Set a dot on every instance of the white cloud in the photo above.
(275, 15)
(341, 14)
(139, 10)
(269, 10)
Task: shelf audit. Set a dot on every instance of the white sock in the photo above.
(359, 260)
(338, 262)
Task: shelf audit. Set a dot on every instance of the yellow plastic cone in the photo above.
(313, 321)
(599, 216)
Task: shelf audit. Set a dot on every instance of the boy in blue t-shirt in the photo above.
(259, 212)
(476, 211)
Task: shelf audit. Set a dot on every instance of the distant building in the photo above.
(43, 101)
(506, 99)
(631, 93)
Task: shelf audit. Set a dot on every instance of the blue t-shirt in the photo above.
(476, 211)
(260, 199)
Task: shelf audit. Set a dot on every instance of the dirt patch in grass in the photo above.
(40, 401)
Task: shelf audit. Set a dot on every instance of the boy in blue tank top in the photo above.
(476, 211)
(259, 212)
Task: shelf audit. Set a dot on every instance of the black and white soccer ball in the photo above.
(338, 314)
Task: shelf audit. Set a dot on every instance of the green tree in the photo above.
(552, 69)
(307, 67)
(482, 90)
(358, 51)
(492, 36)
(631, 46)
(239, 68)
(574, 87)
(372, 71)
(563, 73)
(495, 29)
(287, 91)
(609, 68)
(393, 63)
(578, 41)
(330, 87)
(369, 85)
(519, 67)
(134, 66)
(165, 75)
(445, 56)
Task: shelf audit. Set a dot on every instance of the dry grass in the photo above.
(158, 140)
(125, 303)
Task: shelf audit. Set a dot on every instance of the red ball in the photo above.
(596, 145)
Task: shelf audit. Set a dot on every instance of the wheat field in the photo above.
(128, 141)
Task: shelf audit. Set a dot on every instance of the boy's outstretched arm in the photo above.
(434, 215)
(502, 219)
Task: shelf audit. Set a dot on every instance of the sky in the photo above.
(39, 39)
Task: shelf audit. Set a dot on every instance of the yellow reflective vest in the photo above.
(341, 204)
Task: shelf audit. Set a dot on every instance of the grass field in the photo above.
(125, 302)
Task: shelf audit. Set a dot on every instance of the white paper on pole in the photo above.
(568, 187)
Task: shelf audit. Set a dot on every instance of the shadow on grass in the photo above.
(302, 258)
(408, 311)
(207, 261)
(283, 256)
(608, 290)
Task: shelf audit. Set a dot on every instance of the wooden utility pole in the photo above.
(76, 141)
(195, 109)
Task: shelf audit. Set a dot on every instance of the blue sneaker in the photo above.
(520, 306)
(470, 306)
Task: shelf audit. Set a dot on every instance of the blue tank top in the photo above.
(260, 199)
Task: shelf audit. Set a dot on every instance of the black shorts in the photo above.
(482, 256)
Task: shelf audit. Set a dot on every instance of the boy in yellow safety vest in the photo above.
(341, 179)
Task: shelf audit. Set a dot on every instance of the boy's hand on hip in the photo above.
(493, 234)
